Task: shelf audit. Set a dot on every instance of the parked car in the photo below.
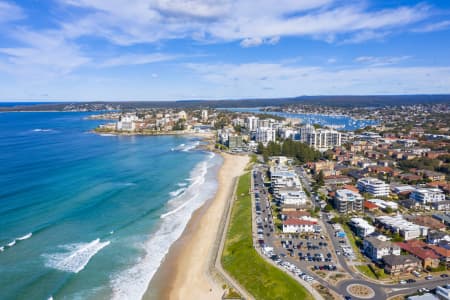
(403, 282)
(429, 277)
(444, 275)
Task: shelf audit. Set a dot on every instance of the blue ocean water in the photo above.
(337, 121)
(84, 216)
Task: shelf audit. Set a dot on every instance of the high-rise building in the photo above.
(265, 135)
(204, 115)
(320, 139)
(251, 123)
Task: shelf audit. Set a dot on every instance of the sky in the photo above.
(119, 50)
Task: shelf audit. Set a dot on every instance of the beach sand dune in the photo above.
(184, 273)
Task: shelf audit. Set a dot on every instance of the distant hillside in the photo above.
(343, 101)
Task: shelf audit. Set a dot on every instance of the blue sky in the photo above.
(220, 49)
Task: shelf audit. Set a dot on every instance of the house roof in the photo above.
(298, 222)
(377, 243)
(394, 260)
(295, 213)
(418, 249)
(440, 250)
(369, 205)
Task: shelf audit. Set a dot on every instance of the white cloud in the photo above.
(443, 25)
(257, 41)
(381, 60)
(136, 59)
(244, 80)
(41, 54)
(124, 22)
(10, 12)
(251, 42)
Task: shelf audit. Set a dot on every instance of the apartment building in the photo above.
(427, 196)
(376, 247)
(347, 201)
(373, 186)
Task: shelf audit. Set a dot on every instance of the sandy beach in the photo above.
(184, 272)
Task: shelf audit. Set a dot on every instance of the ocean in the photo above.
(84, 216)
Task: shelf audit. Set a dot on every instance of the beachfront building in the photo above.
(127, 123)
(251, 123)
(320, 139)
(291, 197)
(398, 224)
(426, 196)
(373, 186)
(282, 178)
(265, 135)
(235, 142)
(361, 227)
(347, 201)
(296, 226)
(376, 247)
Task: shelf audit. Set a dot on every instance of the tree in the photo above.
(328, 208)
(260, 148)
(320, 179)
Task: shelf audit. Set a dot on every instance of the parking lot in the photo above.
(300, 253)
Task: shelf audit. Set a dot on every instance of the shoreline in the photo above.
(184, 272)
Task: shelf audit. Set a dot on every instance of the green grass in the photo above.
(352, 240)
(372, 272)
(242, 262)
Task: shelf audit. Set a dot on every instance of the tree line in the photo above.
(298, 150)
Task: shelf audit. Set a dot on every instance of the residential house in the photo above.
(399, 264)
(420, 250)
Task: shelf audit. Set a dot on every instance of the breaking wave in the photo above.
(76, 256)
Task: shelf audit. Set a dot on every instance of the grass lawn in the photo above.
(352, 241)
(369, 272)
(242, 262)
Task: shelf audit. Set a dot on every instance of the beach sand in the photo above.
(184, 272)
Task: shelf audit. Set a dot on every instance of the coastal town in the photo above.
(354, 214)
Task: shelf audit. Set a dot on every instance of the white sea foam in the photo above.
(107, 134)
(11, 243)
(191, 146)
(181, 184)
(177, 192)
(2, 249)
(26, 236)
(76, 256)
(132, 283)
(186, 147)
(43, 130)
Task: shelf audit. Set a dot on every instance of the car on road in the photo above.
(403, 282)
(429, 277)
(444, 275)
(410, 281)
